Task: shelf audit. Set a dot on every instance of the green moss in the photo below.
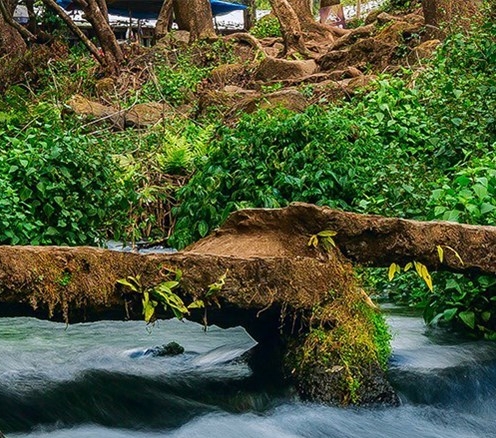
(348, 343)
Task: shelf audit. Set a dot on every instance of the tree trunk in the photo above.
(181, 14)
(290, 28)
(249, 14)
(32, 24)
(164, 19)
(11, 41)
(114, 58)
(304, 12)
(445, 16)
(303, 9)
(196, 17)
(366, 239)
(201, 19)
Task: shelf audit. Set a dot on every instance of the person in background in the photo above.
(328, 6)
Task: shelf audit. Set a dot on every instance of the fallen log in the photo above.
(370, 240)
(283, 291)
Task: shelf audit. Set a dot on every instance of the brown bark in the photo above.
(303, 10)
(114, 58)
(32, 24)
(294, 41)
(366, 239)
(164, 19)
(11, 42)
(249, 14)
(75, 30)
(445, 16)
(196, 17)
(181, 14)
(201, 19)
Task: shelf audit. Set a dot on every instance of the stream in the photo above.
(90, 381)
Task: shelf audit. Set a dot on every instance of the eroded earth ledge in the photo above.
(301, 300)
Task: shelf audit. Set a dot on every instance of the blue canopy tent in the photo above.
(149, 9)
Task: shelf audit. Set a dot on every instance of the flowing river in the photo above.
(92, 380)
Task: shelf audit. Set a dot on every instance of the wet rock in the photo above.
(170, 349)
(325, 384)
(147, 114)
(280, 69)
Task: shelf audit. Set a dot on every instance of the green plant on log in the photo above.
(324, 238)
(163, 294)
(420, 269)
(211, 296)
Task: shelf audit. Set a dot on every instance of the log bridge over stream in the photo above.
(287, 294)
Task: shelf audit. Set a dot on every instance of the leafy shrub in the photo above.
(57, 186)
(267, 26)
(471, 196)
(334, 157)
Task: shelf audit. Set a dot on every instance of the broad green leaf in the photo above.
(203, 228)
(128, 284)
(148, 310)
(197, 304)
(487, 208)
(449, 314)
(480, 191)
(327, 233)
(170, 284)
(468, 318)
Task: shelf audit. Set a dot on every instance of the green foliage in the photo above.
(419, 147)
(467, 303)
(469, 196)
(57, 186)
(267, 26)
(163, 294)
(171, 84)
(348, 157)
(174, 78)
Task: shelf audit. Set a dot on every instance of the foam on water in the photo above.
(82, 382)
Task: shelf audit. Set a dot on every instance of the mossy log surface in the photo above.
(301, 298)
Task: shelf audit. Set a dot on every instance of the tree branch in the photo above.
(74, 29)
(26, 34)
